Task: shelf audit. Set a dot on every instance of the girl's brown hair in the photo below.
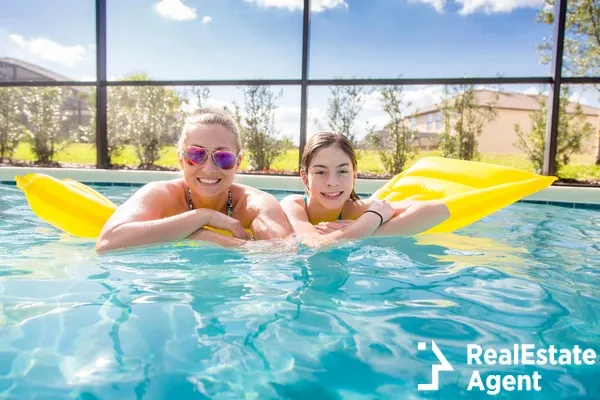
(322, 140)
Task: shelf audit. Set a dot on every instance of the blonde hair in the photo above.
(209, 116)
(323, 140)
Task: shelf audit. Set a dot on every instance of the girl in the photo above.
(209, 156)
(331, 211)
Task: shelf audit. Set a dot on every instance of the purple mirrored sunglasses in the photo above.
(223, 159)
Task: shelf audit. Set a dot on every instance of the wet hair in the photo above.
(209, 116)
(323, 140)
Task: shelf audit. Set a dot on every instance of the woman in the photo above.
(331, 211)
(209, 154)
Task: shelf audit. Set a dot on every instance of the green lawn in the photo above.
(581, 167)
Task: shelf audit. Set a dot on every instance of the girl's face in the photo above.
(330, 177)
(209, 160)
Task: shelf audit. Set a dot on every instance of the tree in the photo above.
(11, 126)
(463, 120)
(256, 121)
(395, 148)
(145, 117)
(200, 93)
(46, 116)
(117, 106)
(582, 41)
(572, 130)
(343, 106)
(152, 121)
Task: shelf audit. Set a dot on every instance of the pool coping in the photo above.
(566, 196)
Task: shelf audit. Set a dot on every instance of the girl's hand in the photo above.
(327, 227)
(383, 208)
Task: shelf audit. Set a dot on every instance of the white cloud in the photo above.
(577, 98)
(495, 6)
(87, 78)
(531, 91)
(18, 39)
(437, 4)
(292, 5)
(485, 6)
(175, 9)
(211, 102)
(287, 121)
(373, 102)
(413, 100)
(535, 91)
(47, 49)
(206, 20)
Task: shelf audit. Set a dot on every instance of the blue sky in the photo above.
(220, 39)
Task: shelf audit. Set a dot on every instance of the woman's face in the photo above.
(206, 178)
(330, 177)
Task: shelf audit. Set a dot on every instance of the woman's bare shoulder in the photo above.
(163, 190)
(251, 195)
(154, 200)
(293, 198)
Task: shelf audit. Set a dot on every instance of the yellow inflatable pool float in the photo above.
(472, 190)
(66, 204)
(69, 205)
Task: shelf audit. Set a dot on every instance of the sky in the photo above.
(247, 39)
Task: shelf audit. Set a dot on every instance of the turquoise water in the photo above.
(200, 322)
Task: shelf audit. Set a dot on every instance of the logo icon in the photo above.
(435, 368)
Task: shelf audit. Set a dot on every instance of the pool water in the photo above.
(198, 322)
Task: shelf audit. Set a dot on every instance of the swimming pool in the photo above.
(202, 322)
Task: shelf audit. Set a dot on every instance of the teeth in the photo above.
(332, 194)
(208, 181)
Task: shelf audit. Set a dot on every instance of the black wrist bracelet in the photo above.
(375, 212)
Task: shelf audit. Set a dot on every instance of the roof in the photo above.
(52, 76)
(35, 68)
(512, 101)
(418, 134)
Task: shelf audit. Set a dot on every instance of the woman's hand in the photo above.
(223, 222)
(327, 227)
(206, 235)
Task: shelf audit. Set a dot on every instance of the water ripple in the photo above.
(278, 321)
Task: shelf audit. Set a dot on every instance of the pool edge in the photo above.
(568, 196)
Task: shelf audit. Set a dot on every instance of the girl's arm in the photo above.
(364, 226)
(139, 221)
(413, 217)
(410, 218)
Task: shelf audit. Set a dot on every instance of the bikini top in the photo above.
(229, 203)
(306, 204)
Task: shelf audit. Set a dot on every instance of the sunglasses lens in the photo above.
(225, 159)
(194, 155)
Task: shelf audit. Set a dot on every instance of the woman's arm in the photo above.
(414, 217)
(206, 235)
(139, 221)
(271, 221)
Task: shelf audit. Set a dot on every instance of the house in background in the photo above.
(423, 140)
(12, 69)
(499, 136)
